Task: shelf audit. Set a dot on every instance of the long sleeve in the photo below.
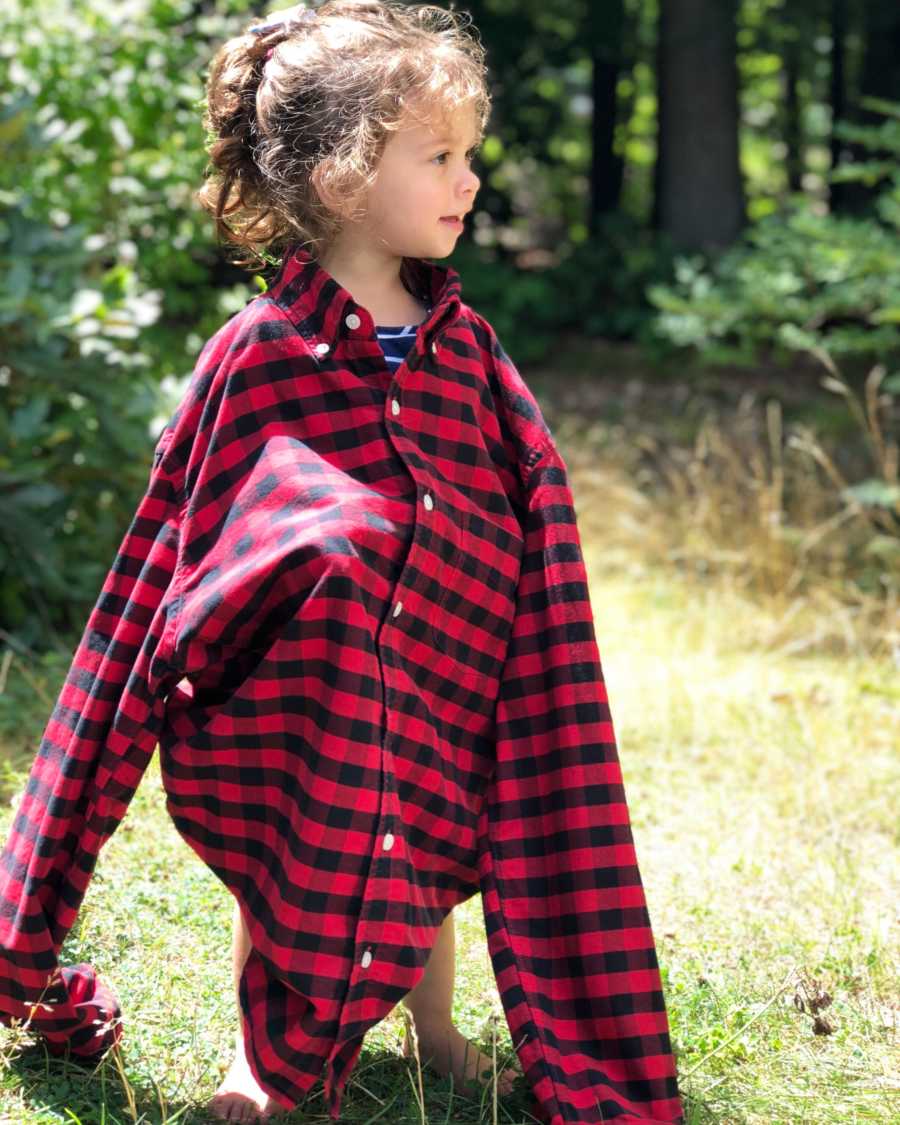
(95, 748)
(568, 929)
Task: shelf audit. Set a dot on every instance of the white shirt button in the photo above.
(434, 347)
(427, 501)
(366, 959)
(395, 406)
(388, 841)
(321, 349)
(352, 321)
(397, 608)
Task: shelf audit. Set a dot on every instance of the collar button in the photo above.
(352, 321)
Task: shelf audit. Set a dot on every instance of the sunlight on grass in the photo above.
(763, 796)
(758, 723)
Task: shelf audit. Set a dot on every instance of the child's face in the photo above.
(424, 175)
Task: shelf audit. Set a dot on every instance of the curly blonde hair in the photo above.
(308, 106)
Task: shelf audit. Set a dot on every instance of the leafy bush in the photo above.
(117, 92)
(828, 286)
(605, 281)
(799, 280)
(110, 280)
(75, 399)
(596, 290)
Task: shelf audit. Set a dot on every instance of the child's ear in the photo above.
(340, 205)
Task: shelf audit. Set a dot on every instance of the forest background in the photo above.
(688, 239)
(711, 185)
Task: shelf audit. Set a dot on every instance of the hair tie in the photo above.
(286, 18)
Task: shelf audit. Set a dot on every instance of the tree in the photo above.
(699, 191)
(605, 25)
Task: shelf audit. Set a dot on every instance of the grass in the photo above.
(756, 704)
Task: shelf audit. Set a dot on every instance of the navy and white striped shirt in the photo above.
(396, 340)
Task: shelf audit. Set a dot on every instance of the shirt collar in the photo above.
(324, 311)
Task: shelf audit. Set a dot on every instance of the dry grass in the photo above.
(752, 671)
(727, 492)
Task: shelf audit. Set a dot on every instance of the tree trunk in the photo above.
(837, 93)
(605, 24)
(701, 195)
(793, 122)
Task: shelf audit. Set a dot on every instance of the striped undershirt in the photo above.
(396, 340)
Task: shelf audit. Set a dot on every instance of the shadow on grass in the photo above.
(383, 1087)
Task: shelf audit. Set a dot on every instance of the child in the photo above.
(353, 613)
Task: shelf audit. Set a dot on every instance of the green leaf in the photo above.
(888, 315)
(884, 547)
(874, 493)
(27, 419)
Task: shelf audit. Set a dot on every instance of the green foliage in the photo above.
(108, 280)
(523, 307)
(76, 398)
(799, 280)
(823, 284)
(120, 107)
(606, 277)
(597, 289)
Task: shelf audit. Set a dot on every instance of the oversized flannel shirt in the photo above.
(352, 612)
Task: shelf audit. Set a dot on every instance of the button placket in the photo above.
(377, 873)
(368, 944)
(388, 840)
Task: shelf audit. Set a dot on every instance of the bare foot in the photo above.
(446, 1049)
(239, 1096)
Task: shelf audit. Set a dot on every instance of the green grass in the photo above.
(760, 786)
(758, 736)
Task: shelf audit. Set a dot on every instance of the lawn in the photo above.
(759, 739)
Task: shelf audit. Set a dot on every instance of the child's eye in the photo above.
(470, 155)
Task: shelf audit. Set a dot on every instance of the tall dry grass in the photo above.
(765, 506)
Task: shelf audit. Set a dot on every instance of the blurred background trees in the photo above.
(696, 185)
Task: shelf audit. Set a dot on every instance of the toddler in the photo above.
(352, 612)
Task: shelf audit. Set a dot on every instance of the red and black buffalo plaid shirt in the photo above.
(352, 612)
